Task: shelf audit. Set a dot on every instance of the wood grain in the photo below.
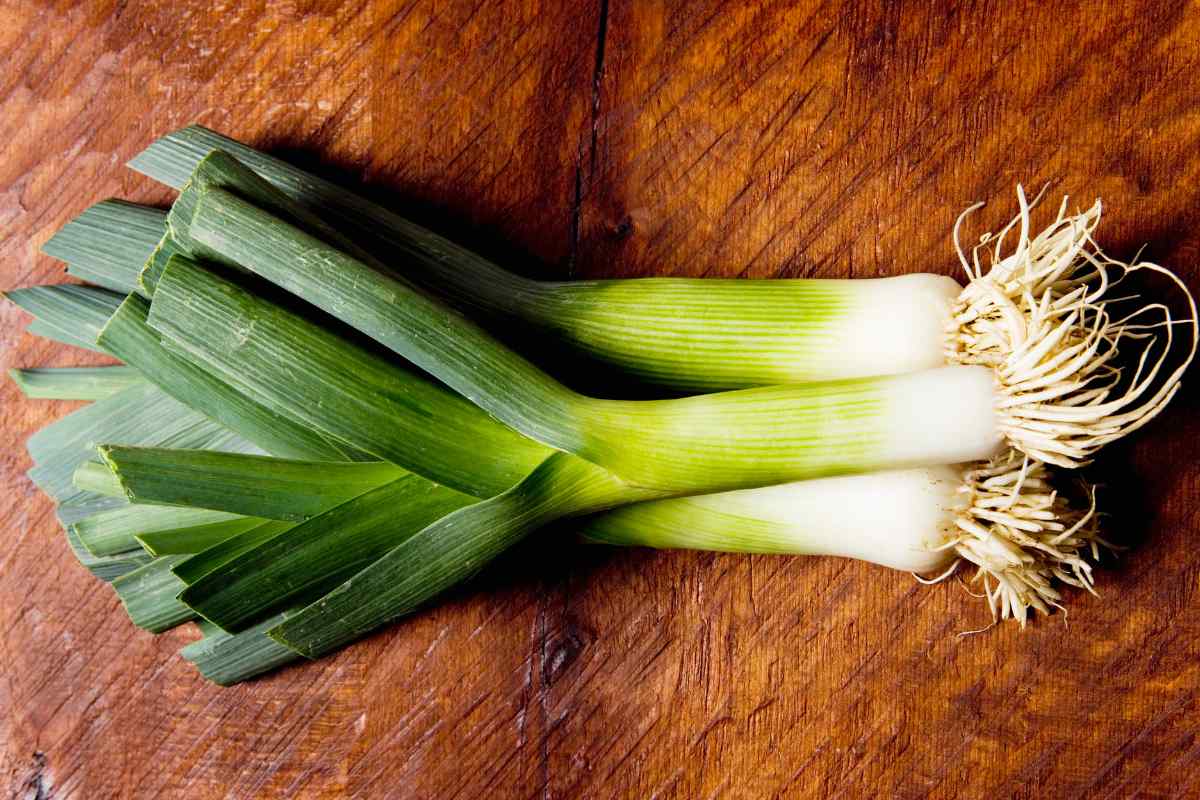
(601, 138)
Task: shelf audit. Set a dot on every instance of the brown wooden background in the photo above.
(607, 138)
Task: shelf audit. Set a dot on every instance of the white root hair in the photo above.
(1040, 317)
(1022, 536)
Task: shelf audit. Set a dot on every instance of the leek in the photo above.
(365, 531)
(197, 308)
(680, 333)
(1004, 518)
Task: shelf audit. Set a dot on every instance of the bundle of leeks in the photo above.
(266, 460)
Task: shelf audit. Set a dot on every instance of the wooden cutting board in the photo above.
(607, 139)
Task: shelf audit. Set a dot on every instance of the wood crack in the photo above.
(580, 182)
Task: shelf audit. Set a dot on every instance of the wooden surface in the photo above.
(615, 138)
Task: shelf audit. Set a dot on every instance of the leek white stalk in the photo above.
(712, 334)
(1004, 517)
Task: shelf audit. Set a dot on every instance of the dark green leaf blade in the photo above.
(190, 541)
(316, 377)
(108, 243)
(138, 415)
(149, 594)
(47, 331)
(274, 488)
(128, 336)
(226, 658)
(156, 263)
(420, 329)
(432, 261)
(207, 560)
(106, 568)
(73, 383)
(79, 311)
(117, 531)
(449, 551)
(302, 563)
